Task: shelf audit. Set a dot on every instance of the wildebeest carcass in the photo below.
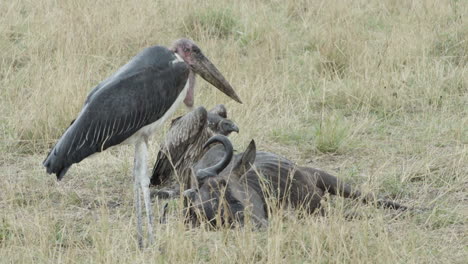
(183, 146)
(229, 185)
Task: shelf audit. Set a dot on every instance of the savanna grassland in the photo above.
(375, 92)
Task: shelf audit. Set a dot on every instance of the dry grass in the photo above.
(374, 91)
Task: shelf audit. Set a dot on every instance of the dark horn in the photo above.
(227, 148)
(217, 168)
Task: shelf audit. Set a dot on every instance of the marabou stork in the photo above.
(183, 146)
(129, 106)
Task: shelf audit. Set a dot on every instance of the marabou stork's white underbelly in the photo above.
(147, 131)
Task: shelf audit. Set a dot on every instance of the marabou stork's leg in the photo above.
(137, 197)
(141, 149)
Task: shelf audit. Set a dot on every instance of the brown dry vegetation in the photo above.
(375, 92)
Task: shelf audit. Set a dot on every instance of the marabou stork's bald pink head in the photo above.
(199, 64)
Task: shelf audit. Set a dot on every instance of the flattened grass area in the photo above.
(375, 92)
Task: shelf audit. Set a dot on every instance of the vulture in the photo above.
(183, 146)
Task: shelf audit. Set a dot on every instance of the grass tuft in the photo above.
(5, 232)
(331, 134)
(452, 47)
(213, 23)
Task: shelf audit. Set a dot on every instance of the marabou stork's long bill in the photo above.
(130, 105)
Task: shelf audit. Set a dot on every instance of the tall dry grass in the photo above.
(372, 91)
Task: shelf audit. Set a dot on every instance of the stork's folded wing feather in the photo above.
(132, 98)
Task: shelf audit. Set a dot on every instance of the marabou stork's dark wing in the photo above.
(137, 95)
(183, 132)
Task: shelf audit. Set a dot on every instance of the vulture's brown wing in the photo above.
(183, 132)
